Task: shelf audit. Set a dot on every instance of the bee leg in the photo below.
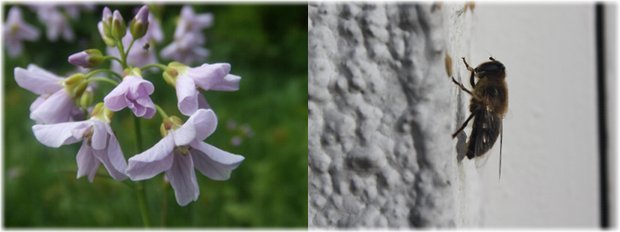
(471, 80)
(461, 86)
(463, 126)
(491, 58)
(471, 76)
(467, 65)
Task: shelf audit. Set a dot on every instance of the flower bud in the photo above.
(79, 89)
(87, 58)
(102, 112)
(140, 23)
(172, 72)
(107, 16)
(86, 99)
(118, 26)
(105, 27)
(74, 79)
(172, 122)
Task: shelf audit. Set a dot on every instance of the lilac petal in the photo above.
(214, 162)
(28, 32)
(37, 102)
(54, 135)
(57, 108)
(99, 139)
(183, 179)
(144, 107)
(116, 100)
(187, 95)
(139, 87)
(142, 15)
(100, 28)
(202, 102)
(79, 59)
(37, 80)
(215, 77)
(198, 127)
(86, 162)
(203, 20)
(152, 161)
(230, 83)
(154, 32)
(14, 47)
(169, 51)
(113, 160)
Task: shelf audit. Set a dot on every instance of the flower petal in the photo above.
(116, 100)
(187, 95)
(214, 162)
(55, 109)
(54, 135)
(209, 75)
(86, 162)
(99, 140)
(183, 179)
(37, 80)
(138, 87)
(200, 125)
(113, 158)
(152, 161)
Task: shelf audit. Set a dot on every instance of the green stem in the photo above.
(121, 52)
(161, 112)
(140, 189)
(160, 66)
(101, 79)
(113, 58)
(94, 72)
(164, 207)
(129, 48)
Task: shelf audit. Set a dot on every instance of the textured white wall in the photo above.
(550, 172)
(381, 111)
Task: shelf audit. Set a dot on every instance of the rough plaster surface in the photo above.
(381, 112)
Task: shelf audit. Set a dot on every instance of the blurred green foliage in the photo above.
(265, 44)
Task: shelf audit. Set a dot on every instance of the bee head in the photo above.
(491, 68)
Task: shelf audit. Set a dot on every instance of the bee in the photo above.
(488, 105)
(146, 46)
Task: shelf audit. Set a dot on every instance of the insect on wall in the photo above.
(487, 107)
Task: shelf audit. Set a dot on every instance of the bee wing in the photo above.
(485, 131)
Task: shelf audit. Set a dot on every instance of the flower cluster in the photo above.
(57, 21)
(66, 112)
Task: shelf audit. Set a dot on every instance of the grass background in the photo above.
(265, 44)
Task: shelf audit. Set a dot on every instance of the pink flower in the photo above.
(133, 92)
(188, 37)
(185, 49)
(55, 22)
(206, 77)
(182, 150)
(15, 31)
(99, 145)
(54, 105)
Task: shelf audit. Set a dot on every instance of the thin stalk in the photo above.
(160, 66)
(97, 71)
(161, 112)
(121, 51)
(140, 190)
(164, 207)
(101, 79)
